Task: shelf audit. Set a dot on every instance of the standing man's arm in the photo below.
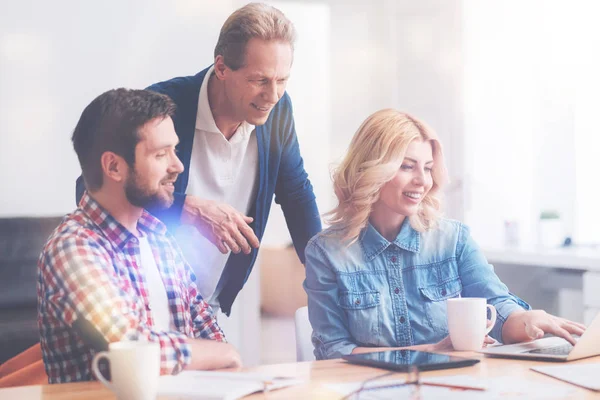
(226, 228)
(293, 190)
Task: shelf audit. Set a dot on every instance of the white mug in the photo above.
(468, 323)
(134, 369)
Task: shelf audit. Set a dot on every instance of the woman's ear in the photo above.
(114, 166)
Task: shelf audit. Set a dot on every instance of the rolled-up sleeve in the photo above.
(204, 320)
(479, 280)
(330, 337)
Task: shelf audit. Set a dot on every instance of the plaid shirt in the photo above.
(90, 268)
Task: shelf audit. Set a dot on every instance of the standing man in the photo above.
(239, 148)
(111, 271)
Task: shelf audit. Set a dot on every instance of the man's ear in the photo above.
(114, 166)
(220, 67)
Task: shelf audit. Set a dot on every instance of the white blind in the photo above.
(531, 100)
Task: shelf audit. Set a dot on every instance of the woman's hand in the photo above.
(525, 326)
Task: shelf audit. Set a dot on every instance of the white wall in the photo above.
(499, 174)
(55, 57)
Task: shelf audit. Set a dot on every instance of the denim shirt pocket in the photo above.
(363, 314)
(435, 297)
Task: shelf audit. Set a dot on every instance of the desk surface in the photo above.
(580, 258)
(316, 374)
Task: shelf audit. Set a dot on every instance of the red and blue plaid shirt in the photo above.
(91, 269)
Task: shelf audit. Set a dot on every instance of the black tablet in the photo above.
(401, 360)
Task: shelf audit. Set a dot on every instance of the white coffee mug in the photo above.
(468, 323)
(134, 369)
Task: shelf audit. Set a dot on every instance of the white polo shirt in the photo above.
(222, 170)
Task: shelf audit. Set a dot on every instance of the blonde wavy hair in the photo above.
(375, 154)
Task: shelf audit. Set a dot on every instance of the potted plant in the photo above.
(550, 229)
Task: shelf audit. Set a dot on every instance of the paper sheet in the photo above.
(585, 375)
(210, 385)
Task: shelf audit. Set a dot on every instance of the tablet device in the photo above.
(402, 360)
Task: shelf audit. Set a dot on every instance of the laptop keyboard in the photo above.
(562, 350)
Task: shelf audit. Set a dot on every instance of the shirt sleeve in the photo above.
(203, 319)
(479, 280)
(293, 190)
(331, 337)
(82, 284)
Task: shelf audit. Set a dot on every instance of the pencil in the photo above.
(454, 386)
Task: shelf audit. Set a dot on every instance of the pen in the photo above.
(454, 386)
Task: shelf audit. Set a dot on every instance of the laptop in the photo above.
(553, 348)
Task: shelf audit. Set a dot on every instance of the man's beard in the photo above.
(140, 196)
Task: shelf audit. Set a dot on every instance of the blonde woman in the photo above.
(380, 275)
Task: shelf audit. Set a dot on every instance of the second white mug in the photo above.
(468, 323)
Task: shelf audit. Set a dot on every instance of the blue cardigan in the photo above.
(281, 173)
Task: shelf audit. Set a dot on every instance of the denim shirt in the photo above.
(377, 293)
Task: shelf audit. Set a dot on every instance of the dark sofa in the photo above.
(21, 241)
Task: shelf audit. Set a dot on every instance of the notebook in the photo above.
(212, 385)
(584, 375)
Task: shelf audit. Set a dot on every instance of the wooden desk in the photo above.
(316, 374)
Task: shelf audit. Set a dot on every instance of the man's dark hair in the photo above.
(111, 123)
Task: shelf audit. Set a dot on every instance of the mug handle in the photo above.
(96, 370)
(492, 320)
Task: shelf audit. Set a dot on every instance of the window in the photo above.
(531, 86)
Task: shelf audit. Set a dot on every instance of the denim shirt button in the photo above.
(396, 290)
(394, 259)
(444, 292)
(402, 320)
(357, 302)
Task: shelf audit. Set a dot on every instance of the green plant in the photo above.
(549, 214)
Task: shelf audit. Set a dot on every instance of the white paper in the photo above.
(586, 375)
(210, 385)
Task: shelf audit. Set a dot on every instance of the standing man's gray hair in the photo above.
(254, 20)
